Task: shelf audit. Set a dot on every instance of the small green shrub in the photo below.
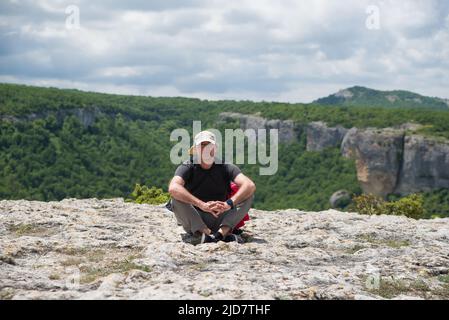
(153, 195)
(411, 206)
(368, 204)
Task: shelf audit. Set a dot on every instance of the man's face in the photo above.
(207, 152)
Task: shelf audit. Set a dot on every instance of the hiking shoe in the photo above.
(218, 236)
(208, 239)
(233, 238)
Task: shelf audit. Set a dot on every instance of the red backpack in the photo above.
(234, 189)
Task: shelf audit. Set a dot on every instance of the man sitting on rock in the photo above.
(199, 192)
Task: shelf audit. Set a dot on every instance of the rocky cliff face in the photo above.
(425, 165)
(389, 160)
(86, 116)
(288, 132)
(378, 156)
(109, 249)
(320, 136)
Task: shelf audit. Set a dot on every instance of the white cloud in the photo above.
(262, 50)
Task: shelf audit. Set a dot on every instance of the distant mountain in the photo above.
(361, 96)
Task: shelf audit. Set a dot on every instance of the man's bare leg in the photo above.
(224, 230)
(206, 231)
(232, 217)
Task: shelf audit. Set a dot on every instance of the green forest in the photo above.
(47, 153)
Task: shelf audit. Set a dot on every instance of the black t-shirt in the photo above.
(208, 185)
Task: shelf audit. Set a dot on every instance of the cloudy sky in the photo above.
(287, 50)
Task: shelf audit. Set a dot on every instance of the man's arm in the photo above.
(180, 193)
(246, 189)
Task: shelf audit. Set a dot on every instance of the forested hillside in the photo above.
(47, 151)
(360, 96)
